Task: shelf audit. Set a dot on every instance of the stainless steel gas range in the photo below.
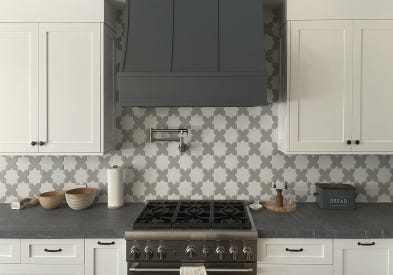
(166, 235)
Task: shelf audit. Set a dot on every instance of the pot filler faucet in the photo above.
(182, 133)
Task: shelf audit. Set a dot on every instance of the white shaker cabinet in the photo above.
(363, 257)
(105, 256)
(18, 87)
(41, 257)
(320, 104)
(56, 88)
(69, 87)
(336, 90)
(57, 79)
(373, 86)
(63, 257)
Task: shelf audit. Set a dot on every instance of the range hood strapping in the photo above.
(193, 53)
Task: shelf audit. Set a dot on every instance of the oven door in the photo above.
(153, 268)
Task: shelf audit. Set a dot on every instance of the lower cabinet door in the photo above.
(9, 251)
(105, 257)
(35, 269)
(282, 269)
(363, 257)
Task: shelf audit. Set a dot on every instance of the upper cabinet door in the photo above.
(69, 93)
(18, 87)
(373, 86)
(320, 86)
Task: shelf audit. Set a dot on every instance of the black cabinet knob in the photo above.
(42, 143)
(349, 142)
(33, 143)
(357, 142)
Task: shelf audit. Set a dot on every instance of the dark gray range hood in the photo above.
(193, 53)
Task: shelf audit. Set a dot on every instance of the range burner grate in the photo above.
(156, 214)
(230, 214)
(193, 214)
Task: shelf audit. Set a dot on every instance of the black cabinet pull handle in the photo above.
(366, 244)
(357, 142)
(53, 250)
(101, 243)
(349, 142)
(42, 143)
(33, 143)
(294, 250)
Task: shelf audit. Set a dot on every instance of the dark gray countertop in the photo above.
(38, 223)
(368, 220)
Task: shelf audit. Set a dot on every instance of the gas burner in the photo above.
(158, 211)
(193, 211)
(229, 211)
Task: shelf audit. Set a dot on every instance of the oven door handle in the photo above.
(136, 269)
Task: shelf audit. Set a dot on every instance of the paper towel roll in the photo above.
(115, 187)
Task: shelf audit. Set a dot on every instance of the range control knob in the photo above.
(135, 253)
(205, 252)
(148, 251)
(220, 252)
(190, 251)
(247, 251)
(161, 252)
(234, 252)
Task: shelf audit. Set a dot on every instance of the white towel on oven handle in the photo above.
(193, 270)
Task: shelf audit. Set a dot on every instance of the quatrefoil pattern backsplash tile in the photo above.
(233, 155)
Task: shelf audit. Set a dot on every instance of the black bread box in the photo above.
(335, 196)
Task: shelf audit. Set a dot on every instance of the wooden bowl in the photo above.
(51, 200)
(80, 198)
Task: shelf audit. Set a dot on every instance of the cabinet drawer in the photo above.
(279, 269)
(9, 251)
(39, 269)
(52, 251)
(295, 251)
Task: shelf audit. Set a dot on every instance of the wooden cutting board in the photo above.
(287, 207)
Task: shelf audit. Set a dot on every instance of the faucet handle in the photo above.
(183, 147)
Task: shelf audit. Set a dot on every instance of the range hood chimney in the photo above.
(193, 53)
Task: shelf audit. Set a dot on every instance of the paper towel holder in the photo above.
(183, 147)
